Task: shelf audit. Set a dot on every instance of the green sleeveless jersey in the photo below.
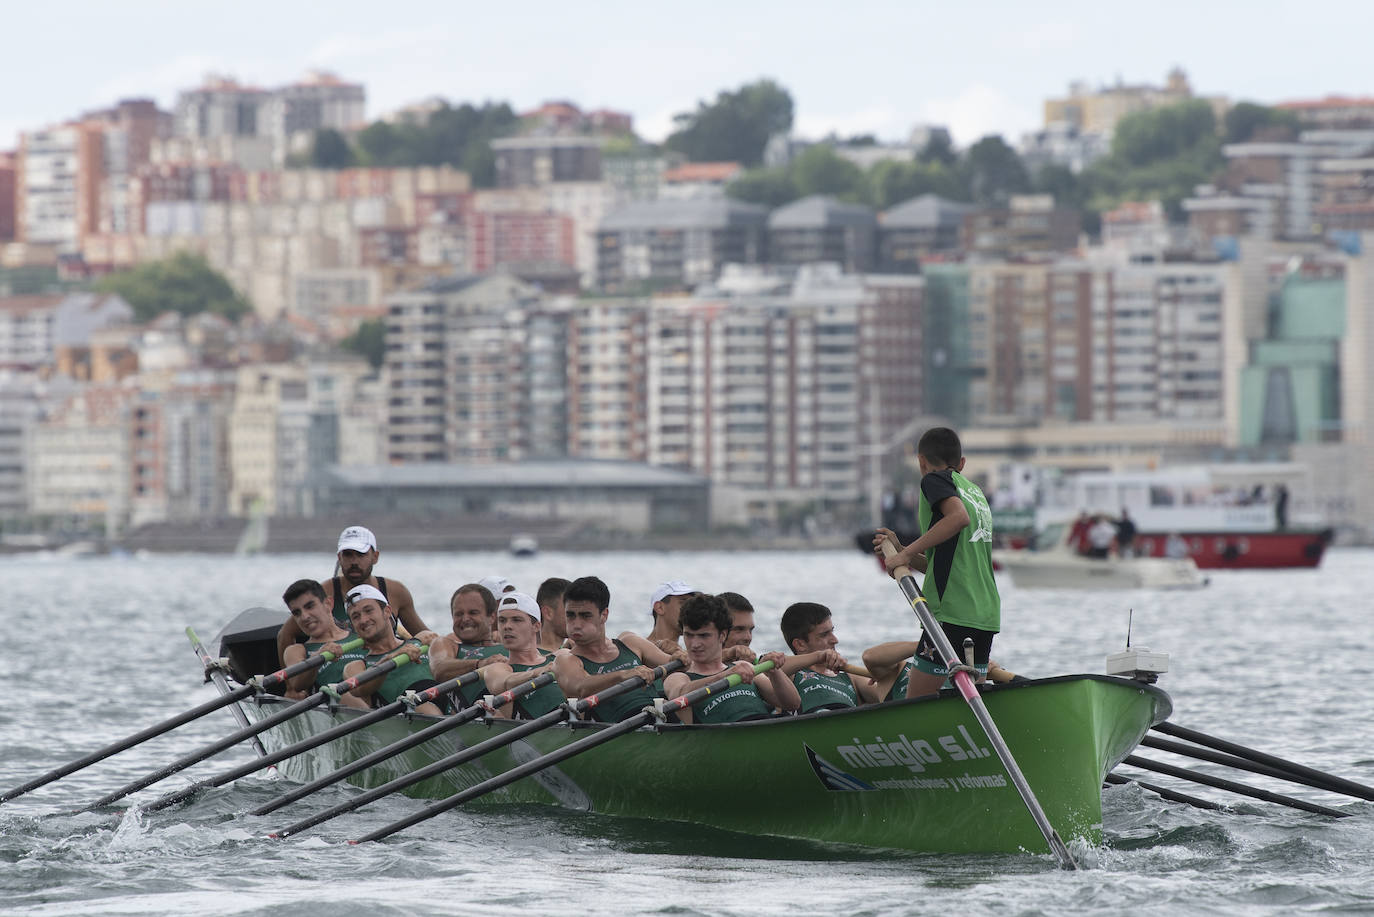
(898, 690)
(742, 702)
(824, 692)
(541, 700)
(395, 683)
(471, 694)
(627, 704)
(959, 586)
(332, 672)
(340, 592)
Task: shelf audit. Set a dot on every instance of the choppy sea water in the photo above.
(94, 651)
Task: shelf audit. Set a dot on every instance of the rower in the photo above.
(372, 620)
(741, 631)
(305, 599)
(705, 627)
(596, 662)
(518, 622)
(816, 669)
(554, 630)
(357, 556)
(472, 644)
(496, 585)
(890, 665)
(665, 605)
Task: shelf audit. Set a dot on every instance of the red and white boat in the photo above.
(1222, 516)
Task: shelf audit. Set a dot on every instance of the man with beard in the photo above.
(358, 554)
(517, 620)
(306, 601)
(371, 618)
(471, 644)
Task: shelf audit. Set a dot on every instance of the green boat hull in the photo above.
(915, 775)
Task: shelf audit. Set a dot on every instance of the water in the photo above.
(95, 651)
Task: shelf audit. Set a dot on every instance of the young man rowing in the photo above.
(371, 618)
(471, 645)
(306, 601)
(518, 621)
(816, 669)
(705, 626)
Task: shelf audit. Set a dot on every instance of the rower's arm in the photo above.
(298, 685)
(577, 682)
(404, 605)
(286, 637)
(648, 652)
(775, 686)
(795, 664)
(886, 659)
(865, 689)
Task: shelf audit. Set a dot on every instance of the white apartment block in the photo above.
(78, 458)
(47, 192)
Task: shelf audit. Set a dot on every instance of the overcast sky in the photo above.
(852, 66)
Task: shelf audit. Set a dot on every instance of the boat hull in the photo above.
(1221, 550)
(915, 775)
(1062, 570)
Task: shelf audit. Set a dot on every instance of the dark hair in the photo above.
(488, 600)
(736, 602)
(552, 588)
(800, 619)
(941, 444)
(300, 587)
(700, 610)
(589, 589)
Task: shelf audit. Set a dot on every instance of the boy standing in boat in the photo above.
(817, 671)
(357, 555)
(517, 621)
(471, 645)
(955, 553)
(705, 626)
(596, 662)
(371, 617)
(305, 599)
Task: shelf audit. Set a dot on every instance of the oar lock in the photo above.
(218, 665)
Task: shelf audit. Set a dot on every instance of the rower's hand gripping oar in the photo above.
(256, 684)
(314, 700)
(660, 709)
(412, 701)
(964, 683)
(553, 717)
(447, 724)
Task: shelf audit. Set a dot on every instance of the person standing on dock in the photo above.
(595, 661)
(306, 600)
(955, 552)
(372, 620)
(518, 623)
(705, 627)
(816, 669)
(472, 644)
(554, 629)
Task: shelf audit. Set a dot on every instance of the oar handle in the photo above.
(310, 662)
(630, 684)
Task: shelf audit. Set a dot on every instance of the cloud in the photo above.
(185, 71)
(348, 48)
(1042, 36)
(881, 121)
(978, 110)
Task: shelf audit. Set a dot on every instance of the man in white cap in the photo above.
(496, 585)
(518, 619)
(665, 605)
(472, 643)
(370, 615)
(358, 554)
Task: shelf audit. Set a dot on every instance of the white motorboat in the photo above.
(1059, 567)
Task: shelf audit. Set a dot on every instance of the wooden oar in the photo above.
(195, 713)
(567, 751)
(508, 737)
(1222, 783)
(447, 724)
(214, 675)
(980, 711)
(314, 700)
(367, 719)
(1297, 773)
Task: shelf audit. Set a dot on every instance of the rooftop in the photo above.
(818, 211)
(710, 213)
(926, 210)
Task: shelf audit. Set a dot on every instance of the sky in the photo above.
(852, 66)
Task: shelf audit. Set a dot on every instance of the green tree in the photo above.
(734, 128)
(329, 150)
(1247, 121)
(820, 170)
(891, 182)
(1147, 137)
(368, 341)
(183, 283)
(993, 171)
(770, 187)
(1157, 155)
(938, 149)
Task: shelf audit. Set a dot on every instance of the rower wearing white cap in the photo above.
(518, 618)
(358, 554)
(665, 605)
(371, 618)
(496, 585)
(472, 643)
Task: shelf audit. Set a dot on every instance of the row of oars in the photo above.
(1204, 747)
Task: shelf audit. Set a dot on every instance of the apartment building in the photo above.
(78, 458)
(677, 244)
(33, 329)
(820, 228)
(1031, 226)
(923, 227)
(536, 160)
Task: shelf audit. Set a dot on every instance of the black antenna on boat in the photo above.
(1130, 614)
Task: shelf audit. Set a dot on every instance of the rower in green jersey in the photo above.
(596, 662)
(890, 665)
(472, 644)
(518, 622)
(305, 599)
(371, 617)
(817, 670)
(705, 627)
(955, 553)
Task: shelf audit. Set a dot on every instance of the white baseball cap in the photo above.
(496, 585)
(672, 587)
(358, 593)
(520, 602)
(357, 538)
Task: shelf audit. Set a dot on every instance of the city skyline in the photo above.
(990, 72)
